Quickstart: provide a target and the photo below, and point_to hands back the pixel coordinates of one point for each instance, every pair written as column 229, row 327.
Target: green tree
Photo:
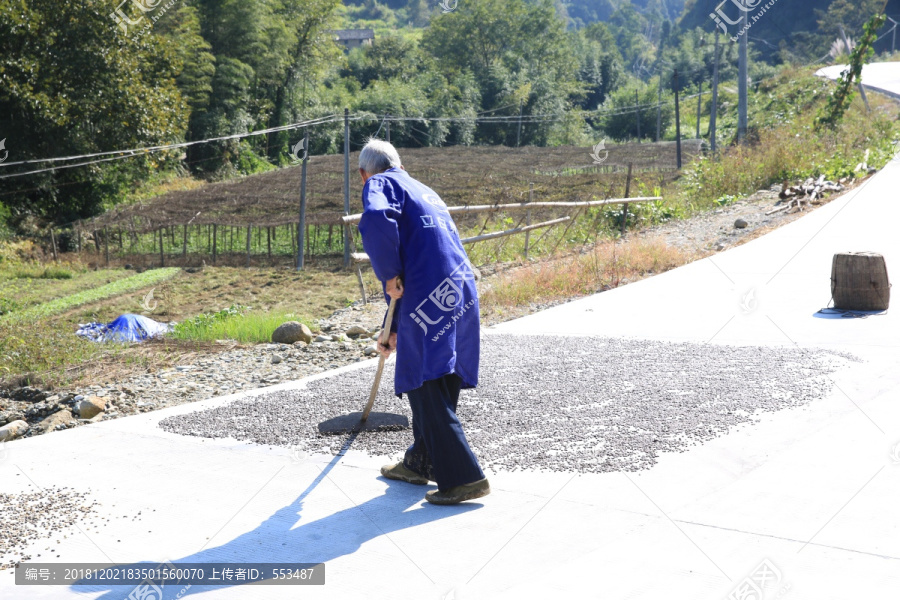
column 628, row 26
column 599, row 64
column 71, row 84
column 620, row 118
column 852, row 15
column 518, row 53
column 270, row 57
column 388, row 57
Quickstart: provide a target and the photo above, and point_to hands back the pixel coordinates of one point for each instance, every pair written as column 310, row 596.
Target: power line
column 148, row 149
column 132, row 152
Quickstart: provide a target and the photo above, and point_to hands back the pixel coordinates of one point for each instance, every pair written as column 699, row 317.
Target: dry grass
column 46, row 351
column 604, row 266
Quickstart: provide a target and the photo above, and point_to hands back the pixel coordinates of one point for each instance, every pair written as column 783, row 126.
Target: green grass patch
column 19, row 293
column 109, row 290
column 45, row 273
column 237, row 323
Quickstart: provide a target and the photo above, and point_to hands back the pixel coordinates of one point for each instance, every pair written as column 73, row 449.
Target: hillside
column 795, row 23
column 401, row 13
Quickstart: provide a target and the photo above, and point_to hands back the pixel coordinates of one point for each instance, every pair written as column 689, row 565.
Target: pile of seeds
column 556, row 403
column 27, row 517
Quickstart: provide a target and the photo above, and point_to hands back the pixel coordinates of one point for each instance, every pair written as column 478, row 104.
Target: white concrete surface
column 811, row 490
column 880, row 77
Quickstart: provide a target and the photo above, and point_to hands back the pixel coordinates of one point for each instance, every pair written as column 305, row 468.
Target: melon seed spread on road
column 562, row 404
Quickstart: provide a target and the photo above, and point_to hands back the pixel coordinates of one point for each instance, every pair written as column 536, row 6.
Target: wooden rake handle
column 385, row 337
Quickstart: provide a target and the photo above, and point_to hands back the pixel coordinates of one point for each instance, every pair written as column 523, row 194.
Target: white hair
column 378, row 156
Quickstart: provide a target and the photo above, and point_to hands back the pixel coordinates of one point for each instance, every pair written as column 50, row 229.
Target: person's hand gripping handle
column 387, row 342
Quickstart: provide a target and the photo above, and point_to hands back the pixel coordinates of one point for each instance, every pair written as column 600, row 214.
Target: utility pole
column 659, row 109
column 742, row 81
column 699, row 106
column 519, row 130
column 637, row 114
column 700, row 95
column 346, row 185
column 301, row 224
column 677, row 124
column 862, row 91
column 713, row 109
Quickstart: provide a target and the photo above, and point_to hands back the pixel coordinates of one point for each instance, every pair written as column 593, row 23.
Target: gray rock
column 322, row 338
column 57, row 421
column 291, row 332
column 11, row 431
column 29, row 394
column 276, row 358
column 39, row 409
column 90, row 407
column 356, row 331
column 370, row 351
column 740, row 224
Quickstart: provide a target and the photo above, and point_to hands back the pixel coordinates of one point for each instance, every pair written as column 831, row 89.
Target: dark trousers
column 440, row 451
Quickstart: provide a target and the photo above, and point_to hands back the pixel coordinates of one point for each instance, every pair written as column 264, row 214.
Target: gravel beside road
column 211, row 375
column 584, row 405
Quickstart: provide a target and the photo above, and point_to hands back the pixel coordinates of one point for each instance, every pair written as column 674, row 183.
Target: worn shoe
column 401, row 473
column 460, row 493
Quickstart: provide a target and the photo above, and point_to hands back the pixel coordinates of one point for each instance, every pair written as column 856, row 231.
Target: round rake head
column 350, row 423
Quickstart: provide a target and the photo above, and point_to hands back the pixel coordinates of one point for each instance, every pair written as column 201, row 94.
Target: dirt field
column 461, row 175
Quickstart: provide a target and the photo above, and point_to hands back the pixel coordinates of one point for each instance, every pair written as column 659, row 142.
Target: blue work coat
column 407, row 231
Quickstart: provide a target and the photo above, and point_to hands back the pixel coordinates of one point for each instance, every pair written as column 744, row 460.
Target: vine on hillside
column 839, row 102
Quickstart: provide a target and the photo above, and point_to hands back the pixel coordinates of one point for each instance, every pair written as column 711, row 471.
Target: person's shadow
column 274, row 541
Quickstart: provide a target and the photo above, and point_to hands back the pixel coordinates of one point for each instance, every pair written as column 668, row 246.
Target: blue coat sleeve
column 379, row 230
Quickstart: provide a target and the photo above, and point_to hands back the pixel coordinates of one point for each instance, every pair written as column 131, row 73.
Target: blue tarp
column 126, row 328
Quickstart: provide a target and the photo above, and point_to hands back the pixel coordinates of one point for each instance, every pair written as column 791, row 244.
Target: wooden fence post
column 347, row 240
column 134, row 237
column 53, row 243
column 362, row 287
column 184, row 234
column 106, row 244
column 528, row 218
column 627, row 195
column 248, row 244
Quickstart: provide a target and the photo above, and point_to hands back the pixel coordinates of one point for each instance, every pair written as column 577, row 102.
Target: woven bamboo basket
column 859, row 281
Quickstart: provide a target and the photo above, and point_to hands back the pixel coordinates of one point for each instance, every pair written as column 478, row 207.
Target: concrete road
column 879, row 77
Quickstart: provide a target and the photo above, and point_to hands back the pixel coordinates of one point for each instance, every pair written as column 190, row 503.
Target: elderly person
column 416, row 252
